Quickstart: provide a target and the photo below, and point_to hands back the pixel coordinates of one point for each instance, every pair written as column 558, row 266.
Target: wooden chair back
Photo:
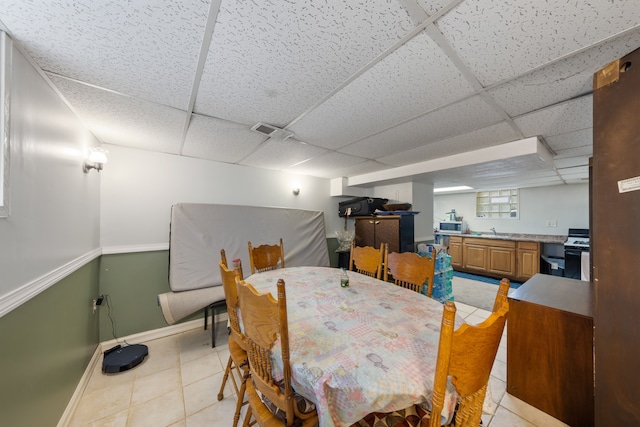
column 466, row 355
column 228, row 277
column 368, row 260
column 266, row 257
column 501, row 296
column 411, row 271
column 265, row 318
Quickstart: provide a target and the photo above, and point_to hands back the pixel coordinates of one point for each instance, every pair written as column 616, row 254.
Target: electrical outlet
column 95, row 306
column 552, row 223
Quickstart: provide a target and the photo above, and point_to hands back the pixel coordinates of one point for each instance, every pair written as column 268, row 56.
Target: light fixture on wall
column 95, row 160
column 295, row 188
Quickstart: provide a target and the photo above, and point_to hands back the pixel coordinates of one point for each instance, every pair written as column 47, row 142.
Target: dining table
column 369, row 347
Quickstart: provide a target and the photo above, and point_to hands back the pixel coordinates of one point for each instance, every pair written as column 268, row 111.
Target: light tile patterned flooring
column 177, row 385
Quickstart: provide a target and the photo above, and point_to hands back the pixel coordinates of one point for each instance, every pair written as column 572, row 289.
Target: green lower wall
column 45, row 347
column 132, row 283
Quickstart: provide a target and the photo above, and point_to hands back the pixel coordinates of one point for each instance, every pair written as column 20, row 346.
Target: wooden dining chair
column 266, row 257
column 411, row 271
column 271, row 402
column 501, row 296
column 237, row 363
column 465, row 355
column 368, row 260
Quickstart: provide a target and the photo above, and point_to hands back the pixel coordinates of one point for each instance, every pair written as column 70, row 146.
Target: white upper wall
column 54, row 205
column 568, row 205
column 139, row 188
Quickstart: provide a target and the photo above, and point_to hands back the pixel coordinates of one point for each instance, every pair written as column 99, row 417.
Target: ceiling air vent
column 271, row 131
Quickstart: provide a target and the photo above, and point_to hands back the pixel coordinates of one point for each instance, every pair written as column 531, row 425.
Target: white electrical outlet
column 552, row 223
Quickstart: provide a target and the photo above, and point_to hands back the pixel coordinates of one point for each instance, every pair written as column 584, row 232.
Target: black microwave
column 456, row 227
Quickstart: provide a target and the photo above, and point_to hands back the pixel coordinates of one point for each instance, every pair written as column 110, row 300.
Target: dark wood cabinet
column 395, row 230
column 550, row 347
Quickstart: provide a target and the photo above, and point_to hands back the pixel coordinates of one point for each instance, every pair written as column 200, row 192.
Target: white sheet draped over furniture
column 199, row 231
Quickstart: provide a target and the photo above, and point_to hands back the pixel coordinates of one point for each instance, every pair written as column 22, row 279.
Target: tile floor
column 177, row 385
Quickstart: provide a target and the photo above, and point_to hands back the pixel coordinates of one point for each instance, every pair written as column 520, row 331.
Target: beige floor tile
column 198, row 369
column 499, row 370
column 474, row 319
column 154, row 385
column 103, row 402
column 502, row 354
column 530, row 413
column 116, row 420
column 463, row 309
column 218, row 414
column 99, row 380
column 161, row 411
column 200, row 394
column 506, row 418
column 158, row 360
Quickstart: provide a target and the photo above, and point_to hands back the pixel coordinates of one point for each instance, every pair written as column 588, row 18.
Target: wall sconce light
column 96, row 159
column 295, row 188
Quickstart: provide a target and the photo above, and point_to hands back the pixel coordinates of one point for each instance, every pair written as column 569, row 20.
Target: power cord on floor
column 113, row 322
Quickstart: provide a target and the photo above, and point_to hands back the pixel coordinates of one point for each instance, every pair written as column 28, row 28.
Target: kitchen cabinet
column 395, row 230
column 528, row 259
column 455, row 250
column 550, row 347
column 498, row 257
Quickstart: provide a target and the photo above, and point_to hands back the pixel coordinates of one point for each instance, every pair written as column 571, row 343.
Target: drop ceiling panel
column 280, row 155
column 333, row 165
column 431, row 127
column 220, row 140
column 575, row 139
column 573, row 115
column 569, row 162
column 474, row 140
column 141, row 48
column 575, row 152
column 121, row 120
column 500, row 40
column 432, row 6
column 270, row 61
column 424, row 78
column 562, row 80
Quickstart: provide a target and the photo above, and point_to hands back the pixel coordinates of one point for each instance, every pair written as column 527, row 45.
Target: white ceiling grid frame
column 334, row 164
column 136, row 62
column 431, row 127
column 270, row 67
column 122, row 120
column 424, row 80
column 521, row 34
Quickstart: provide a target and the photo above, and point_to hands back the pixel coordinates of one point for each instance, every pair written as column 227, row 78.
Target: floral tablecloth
column 369, row 347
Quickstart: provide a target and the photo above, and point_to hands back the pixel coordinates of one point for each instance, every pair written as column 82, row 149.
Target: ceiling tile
column 500, row 40
column 121, row 120
column 575, row 139
column 270, row 61
column 141, row 48
column 491, row 135
column 424, row 79
column 569, row 162
column 279, row 155
column 562, row 80
column 335, row 164
column 576, row 114
column 220, row 140
column 586, row 150
column 432, row 6
column 431, row 127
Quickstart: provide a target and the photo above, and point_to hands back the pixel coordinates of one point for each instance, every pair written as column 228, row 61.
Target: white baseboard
column 131, row 339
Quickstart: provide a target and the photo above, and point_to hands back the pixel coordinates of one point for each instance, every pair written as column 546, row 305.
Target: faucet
column 494, row 231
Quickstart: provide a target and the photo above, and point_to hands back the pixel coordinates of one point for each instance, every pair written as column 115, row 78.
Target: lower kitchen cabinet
column 395, row 230
column 455, row 251
column 515, row 260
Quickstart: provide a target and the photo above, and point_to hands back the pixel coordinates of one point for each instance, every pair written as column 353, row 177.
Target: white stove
column 577, row 242
column 576, row 254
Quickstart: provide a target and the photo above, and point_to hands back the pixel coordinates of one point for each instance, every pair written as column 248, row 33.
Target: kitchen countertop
column 542, row 238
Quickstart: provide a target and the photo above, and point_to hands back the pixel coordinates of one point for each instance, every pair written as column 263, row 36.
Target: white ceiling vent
column 271, row 131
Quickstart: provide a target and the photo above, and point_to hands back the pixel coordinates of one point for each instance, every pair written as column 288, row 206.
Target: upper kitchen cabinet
column 395, row 230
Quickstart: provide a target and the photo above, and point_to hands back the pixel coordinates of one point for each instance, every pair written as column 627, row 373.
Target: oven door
column 573, row 262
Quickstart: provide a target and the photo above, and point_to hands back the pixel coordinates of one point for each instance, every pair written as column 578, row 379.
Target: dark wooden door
column 615, row 241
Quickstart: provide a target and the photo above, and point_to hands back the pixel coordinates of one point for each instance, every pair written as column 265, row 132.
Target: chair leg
column 247, row 417
column 227, row 371
column 240, row 395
